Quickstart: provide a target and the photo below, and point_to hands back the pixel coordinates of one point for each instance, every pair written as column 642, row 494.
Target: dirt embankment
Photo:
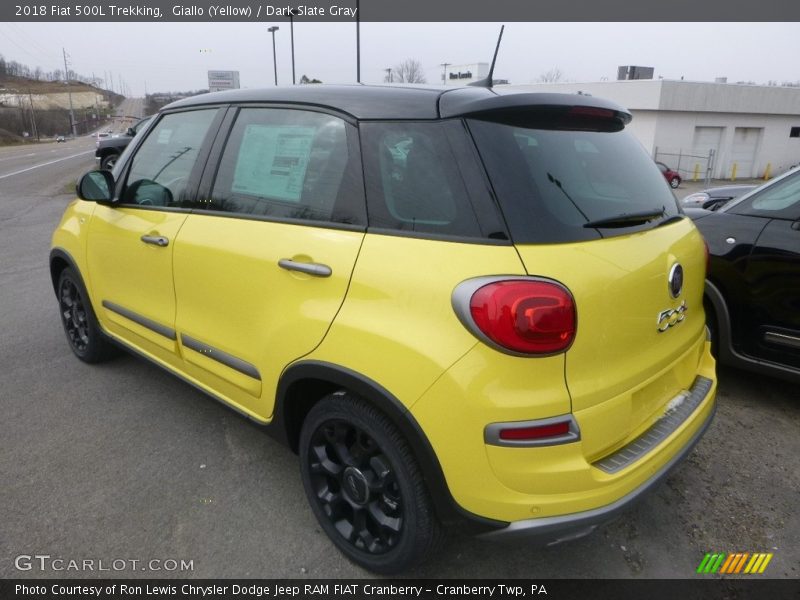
column 18, row 92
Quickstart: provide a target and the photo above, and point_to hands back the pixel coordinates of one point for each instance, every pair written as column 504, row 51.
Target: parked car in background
column 672, row 177
column 109, row 149
column 535, row 363
column 752, row 295
column 60, row 138
column 716, row 197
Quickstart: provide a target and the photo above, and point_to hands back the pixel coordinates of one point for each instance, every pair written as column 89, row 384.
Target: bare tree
column 408, row 71
column 554, row 75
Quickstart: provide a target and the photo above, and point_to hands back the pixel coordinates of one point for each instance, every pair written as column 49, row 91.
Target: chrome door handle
column 315, row 269
column 156, row 240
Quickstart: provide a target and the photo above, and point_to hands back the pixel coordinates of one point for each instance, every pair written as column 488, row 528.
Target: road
column 125, row 462
column 127, row 113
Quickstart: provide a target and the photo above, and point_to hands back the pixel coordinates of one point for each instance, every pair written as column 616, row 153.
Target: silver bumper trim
column 552, row 530
column 684, row 403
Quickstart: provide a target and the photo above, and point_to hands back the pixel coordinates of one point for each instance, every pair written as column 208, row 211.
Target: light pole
column 272, row 30
column 291, row 31
column 388, row 75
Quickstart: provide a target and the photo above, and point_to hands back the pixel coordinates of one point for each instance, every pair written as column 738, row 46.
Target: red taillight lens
column 530, row 317
column 535, row 433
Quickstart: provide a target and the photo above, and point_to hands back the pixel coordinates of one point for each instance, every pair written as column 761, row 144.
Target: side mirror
column 131, row 132
column 715, row 203
column 97, row 186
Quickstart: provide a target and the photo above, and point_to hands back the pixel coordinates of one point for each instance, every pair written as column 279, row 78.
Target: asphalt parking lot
column 123, row 462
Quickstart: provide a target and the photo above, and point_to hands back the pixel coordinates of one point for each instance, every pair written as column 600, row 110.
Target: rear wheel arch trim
column 286, row 428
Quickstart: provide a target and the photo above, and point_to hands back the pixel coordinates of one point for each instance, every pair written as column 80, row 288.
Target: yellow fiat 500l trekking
column 460, row 307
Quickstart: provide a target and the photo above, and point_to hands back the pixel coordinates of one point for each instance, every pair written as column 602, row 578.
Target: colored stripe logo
column 735, row 563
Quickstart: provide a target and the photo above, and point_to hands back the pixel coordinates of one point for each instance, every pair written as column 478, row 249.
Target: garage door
column 707, row 139
column 743, row 151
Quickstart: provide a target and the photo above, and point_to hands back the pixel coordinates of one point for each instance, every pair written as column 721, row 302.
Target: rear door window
column 424, row 179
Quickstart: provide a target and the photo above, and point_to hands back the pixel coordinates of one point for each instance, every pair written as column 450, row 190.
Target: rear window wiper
column 627, row 219
column 670, row 220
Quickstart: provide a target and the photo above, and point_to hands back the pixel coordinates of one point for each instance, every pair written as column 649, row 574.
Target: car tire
column 85, row 338
column 109, row 161
column 365, row 486
column 674, row 182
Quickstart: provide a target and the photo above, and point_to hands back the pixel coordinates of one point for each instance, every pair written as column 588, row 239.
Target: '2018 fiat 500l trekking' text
column 459, row 306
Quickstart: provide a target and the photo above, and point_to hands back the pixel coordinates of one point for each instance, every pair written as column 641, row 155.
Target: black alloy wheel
column 83, row 332
column 365, row 487
column 73, row 315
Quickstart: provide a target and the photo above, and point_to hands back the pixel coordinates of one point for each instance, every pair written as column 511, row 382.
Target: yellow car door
column 131, row 241
column 262, row 266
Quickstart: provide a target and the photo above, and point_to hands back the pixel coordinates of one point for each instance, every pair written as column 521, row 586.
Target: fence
column 690, row 166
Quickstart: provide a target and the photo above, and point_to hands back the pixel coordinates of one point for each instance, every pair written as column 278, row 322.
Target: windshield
column 557, row 185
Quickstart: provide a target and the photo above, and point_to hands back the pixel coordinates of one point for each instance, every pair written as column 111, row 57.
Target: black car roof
column 401, row 102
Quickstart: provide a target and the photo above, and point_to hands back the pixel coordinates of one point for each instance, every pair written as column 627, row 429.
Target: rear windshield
column 551, row 183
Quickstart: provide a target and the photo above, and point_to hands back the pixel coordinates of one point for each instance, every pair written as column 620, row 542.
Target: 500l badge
column 671, row 317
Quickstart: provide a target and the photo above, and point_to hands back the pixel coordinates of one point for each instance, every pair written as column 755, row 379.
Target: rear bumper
column 553, row 530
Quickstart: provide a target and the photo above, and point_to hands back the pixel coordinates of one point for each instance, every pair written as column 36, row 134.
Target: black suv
column 109, row 149
column 752, row 292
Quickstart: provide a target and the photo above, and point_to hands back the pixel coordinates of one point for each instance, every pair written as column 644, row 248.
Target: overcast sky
column 168, row 57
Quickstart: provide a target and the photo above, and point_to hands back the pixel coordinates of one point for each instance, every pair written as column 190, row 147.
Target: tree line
column 13, row 69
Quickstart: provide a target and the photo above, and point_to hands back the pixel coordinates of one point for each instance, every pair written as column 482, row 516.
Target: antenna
column 487, row 81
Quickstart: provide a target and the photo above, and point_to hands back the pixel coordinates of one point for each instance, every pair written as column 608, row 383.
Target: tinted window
column 780, row 200
column 161, row 168
column 423, row 178
column 550, row 182
column 291, row 164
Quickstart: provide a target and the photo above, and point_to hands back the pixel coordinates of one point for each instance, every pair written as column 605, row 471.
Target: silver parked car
column 714, row 198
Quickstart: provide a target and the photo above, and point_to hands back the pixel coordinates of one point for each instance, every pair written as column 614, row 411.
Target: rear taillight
column 524, row 316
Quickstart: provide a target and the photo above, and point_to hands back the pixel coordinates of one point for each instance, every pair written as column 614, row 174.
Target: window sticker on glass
column 164, row 136
column 272, row 161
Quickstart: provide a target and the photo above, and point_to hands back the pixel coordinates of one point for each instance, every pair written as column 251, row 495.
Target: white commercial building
column 720, row 129
column 466, row 74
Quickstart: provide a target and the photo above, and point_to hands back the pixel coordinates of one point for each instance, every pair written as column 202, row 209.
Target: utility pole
column 444, row 72
column 33, row 118
column 69, row 91
column 388, row 75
